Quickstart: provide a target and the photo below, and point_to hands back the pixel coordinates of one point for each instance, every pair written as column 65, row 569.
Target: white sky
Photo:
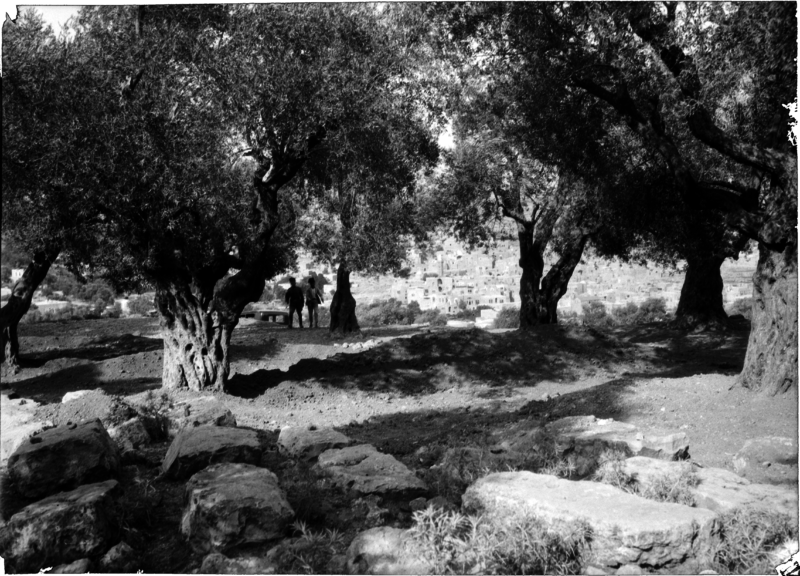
column 53, row 15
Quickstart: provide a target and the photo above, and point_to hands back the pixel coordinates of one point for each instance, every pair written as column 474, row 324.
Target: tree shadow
column 50, row 388
column 98, row 349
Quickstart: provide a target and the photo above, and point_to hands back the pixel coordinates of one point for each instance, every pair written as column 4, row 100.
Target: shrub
column 652, row 310
column 743, row 306
column 432, row 317
column 748, row 536
column 569, row 318
column 520, row 544
column 595, row 314
column 627, row 314
column 386, row 313
column 508, row 317
column 140, row 305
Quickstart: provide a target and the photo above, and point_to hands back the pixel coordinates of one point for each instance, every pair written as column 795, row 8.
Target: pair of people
column 295, row 298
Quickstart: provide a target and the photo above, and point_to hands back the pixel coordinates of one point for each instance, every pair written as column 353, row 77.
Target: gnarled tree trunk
column 556, row 282
column 343, row 305
column 771, row 361
column 701, row 294
column 20, row 302
column 196, row 341
column 531, row 260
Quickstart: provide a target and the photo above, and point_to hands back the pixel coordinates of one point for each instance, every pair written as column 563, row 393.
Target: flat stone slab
column 131, row 434
column 386, row 550
column 718, row 489
column 626, row 529
column 587, row 437
column 363, row 469
column 195, row 448
column 63, row 458
column 61, row 529
column 209, row 412
column 307, row 444
column 769, row 459
column 232, row 504
column 216, row 563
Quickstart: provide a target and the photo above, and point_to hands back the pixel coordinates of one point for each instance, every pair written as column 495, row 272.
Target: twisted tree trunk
column 20, row 302
column 343, row 305
column 771, row 361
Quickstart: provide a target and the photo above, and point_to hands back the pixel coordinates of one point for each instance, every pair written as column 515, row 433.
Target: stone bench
column 274, row 316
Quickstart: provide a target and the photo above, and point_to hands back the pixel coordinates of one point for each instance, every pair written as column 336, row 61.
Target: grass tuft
column 524, row 544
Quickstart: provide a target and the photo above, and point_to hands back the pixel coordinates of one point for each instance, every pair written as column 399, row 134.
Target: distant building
column 16, row 273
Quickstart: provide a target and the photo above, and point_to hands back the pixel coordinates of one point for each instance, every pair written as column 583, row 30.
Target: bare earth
column 417, row 387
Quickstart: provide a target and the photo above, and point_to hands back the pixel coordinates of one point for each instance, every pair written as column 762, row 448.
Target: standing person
column 294, row 298
column 313, row 298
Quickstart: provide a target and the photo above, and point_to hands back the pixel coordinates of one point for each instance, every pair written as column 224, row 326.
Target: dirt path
column 417, row 386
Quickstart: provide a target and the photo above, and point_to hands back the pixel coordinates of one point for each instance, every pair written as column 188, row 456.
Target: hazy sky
column 54, row 15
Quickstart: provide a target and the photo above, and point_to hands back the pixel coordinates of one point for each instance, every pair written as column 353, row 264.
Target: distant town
column 455, row 277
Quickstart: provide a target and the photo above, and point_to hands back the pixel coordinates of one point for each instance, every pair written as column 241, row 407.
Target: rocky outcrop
column 770, row 459
column 366, row 471
column 17, row 423
column 195, row 448
column 717, row 489
column 61, row 529
column 626, row 529
column 386, row 550
column 120, row 559
column 81, row 566
column 216, row 563
column 308, row 443
column 131, row 434
column 63, row 458
column 209, row 412
column 232, row 504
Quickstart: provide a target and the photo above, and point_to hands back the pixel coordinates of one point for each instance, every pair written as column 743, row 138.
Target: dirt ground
column 418, row 387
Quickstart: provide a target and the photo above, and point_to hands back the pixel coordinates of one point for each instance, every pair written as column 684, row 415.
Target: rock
column 306, row 444
column 363, row 469
column 78, row 567
column 37, row 536
column 770, row 459
column 626, row 529
column 119, row 559
column 718, row 490
column 418, row 504
column 131, row 434
column 17, row 424
column 208, row 413
column 630, row 569
column 585, row 438
column 232, row 504
column 385, row 550
column 594, row 571
column 216, row 563
column 63, row 458
column 74, row 395
column 195, row 448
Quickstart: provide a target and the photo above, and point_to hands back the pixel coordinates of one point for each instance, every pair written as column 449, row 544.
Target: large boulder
column 626, row 529
column 216, row 563
column 63, row 458
column 195, row 448
column 17, row 423
column 61, row 529
column 770, row 459
column 386, row 550
column 366, row 471
column 131, row 434
column 308, row 443
column 203, row 412
column 717, row 489
column 120, row 559
column 232, row 504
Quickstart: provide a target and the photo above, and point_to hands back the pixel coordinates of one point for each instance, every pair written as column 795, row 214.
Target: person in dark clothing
column 294, row 298
column 313, row 300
